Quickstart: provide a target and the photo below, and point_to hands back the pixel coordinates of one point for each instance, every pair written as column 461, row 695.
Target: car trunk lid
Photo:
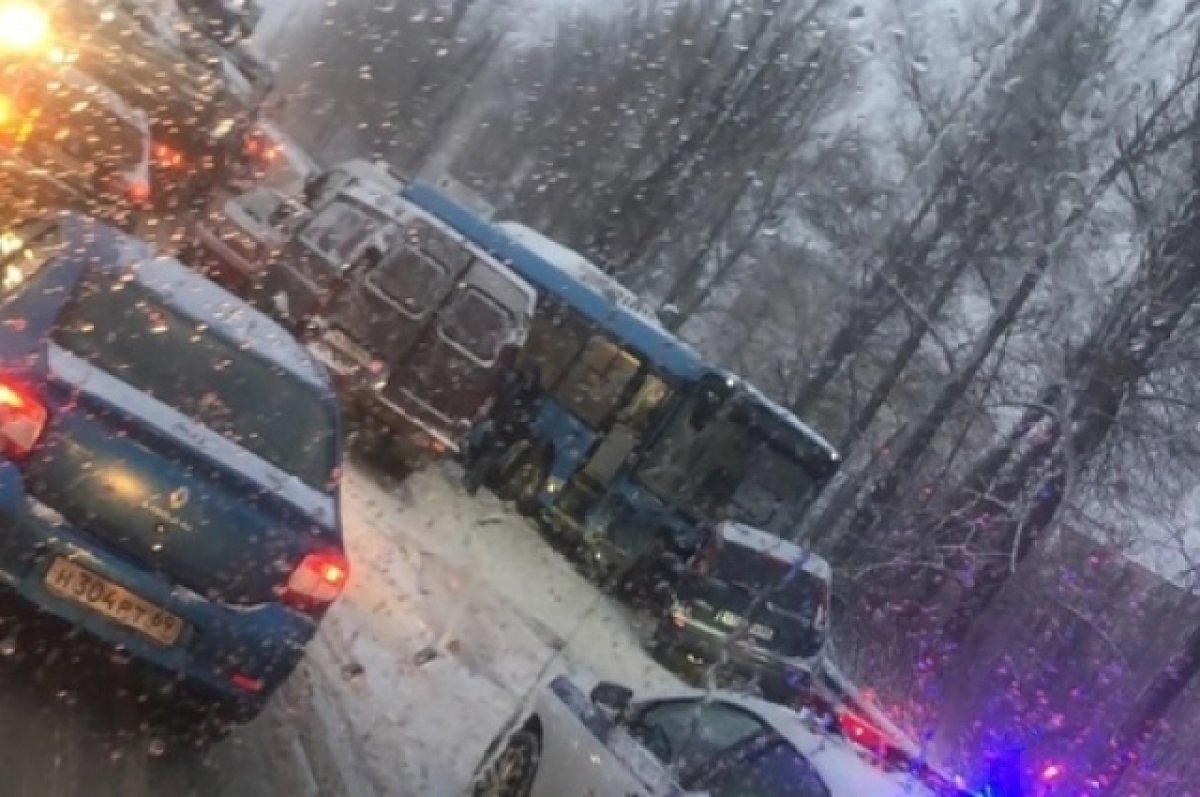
column 165, row 491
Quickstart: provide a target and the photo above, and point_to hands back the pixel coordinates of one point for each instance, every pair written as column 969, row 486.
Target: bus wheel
column 523, row 485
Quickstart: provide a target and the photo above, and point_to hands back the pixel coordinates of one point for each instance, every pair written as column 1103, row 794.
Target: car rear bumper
column 692, row 649
column 261, row 644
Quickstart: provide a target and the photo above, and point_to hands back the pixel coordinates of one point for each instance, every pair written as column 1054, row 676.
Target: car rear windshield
column 128, row 331
column 799, row 593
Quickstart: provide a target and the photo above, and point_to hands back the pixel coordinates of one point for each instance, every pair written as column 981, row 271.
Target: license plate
column 730, row 620
column 70, row 581
column 760, row 632
column 340, row 341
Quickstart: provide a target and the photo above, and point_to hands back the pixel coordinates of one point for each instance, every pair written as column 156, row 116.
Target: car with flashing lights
column 69, row 142
column 197, row 119
column 169, row 465
column 582, row 737
column 751, row 609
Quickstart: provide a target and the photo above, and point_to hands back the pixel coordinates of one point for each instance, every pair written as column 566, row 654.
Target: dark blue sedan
column 170, row 460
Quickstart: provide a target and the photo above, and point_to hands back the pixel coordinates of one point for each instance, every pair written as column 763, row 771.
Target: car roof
column 194, row 295
column 776, row 547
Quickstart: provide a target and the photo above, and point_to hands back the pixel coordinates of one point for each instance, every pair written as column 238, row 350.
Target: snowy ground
column 435, row 569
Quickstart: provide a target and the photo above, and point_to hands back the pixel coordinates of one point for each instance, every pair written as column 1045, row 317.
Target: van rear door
column 310, row 275
column 385, row 309
column 451, row 371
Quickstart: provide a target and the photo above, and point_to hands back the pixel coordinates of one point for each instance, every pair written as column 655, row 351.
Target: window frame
column 638, row 715
column 443, row 327
column 594, row 378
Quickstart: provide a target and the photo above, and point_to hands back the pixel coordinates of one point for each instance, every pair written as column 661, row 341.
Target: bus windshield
column 729, row 466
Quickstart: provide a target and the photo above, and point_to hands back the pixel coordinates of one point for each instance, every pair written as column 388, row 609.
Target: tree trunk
column 1147, row 716
column 919, row 325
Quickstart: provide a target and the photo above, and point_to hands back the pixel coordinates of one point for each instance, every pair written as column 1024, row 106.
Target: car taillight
column 22, row 418
column 861, row 733
column 318, row 580
column 139, row 191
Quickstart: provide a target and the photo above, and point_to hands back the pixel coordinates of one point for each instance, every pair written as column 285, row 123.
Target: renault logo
column 178, row 499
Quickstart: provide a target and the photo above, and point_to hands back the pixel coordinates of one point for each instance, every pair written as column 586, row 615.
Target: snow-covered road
column 438, row 572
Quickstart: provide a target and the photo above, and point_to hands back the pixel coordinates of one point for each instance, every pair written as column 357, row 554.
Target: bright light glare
column 10, row 242
column 24, row 27
column 1052, row 772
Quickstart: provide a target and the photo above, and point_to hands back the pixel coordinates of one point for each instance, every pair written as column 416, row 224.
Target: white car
column 600, row 742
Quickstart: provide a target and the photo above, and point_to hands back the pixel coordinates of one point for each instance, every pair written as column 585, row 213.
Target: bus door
column 625, row 435
column 607, row 388
column 444, row 378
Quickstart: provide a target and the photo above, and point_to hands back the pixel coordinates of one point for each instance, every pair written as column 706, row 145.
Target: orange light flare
column 168, row 157
column 24, row 28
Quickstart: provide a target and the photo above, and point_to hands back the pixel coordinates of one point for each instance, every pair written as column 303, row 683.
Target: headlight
column 222, row 129
column 10, row 243
column 24, row 27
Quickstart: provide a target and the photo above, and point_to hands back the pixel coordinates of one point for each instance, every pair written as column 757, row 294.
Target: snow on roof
column 765, row 542
column 787, row 416
column 235, row 319
column 581, row 269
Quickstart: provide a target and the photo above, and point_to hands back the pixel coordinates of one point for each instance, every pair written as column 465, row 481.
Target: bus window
column 553, row 343
column 597, row 380
column 773, row 491
column 643, row 408
column 476, row 323
column 411, row 281
column 338, row 230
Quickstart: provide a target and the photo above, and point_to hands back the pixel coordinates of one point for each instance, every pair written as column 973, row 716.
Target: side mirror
column 613, row 697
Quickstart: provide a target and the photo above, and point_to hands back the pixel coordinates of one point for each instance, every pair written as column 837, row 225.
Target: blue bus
column 637, row 439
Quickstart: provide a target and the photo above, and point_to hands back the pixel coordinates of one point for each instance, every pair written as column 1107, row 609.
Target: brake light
column 318, row 580
column 246, row 683
column 22, row 419
column 861, row 733
column 139, row 191
column 168, row 157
